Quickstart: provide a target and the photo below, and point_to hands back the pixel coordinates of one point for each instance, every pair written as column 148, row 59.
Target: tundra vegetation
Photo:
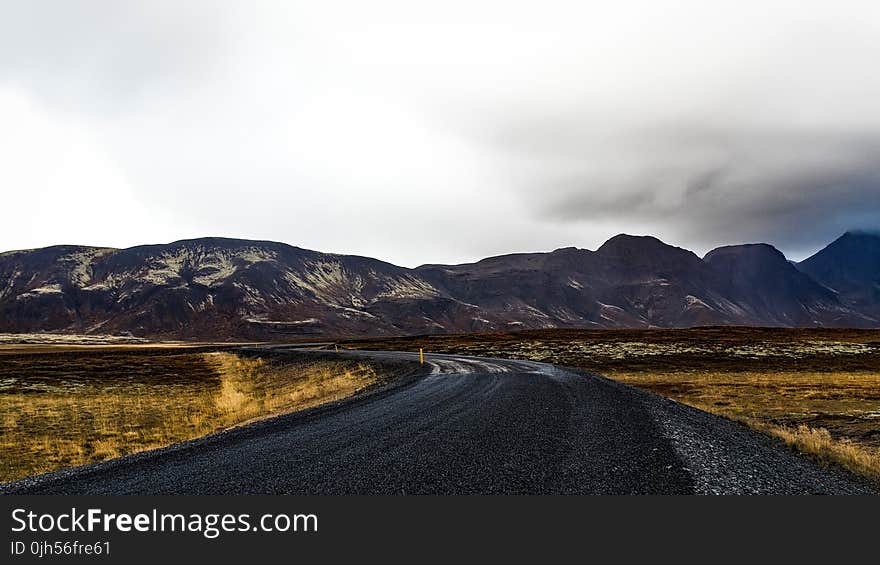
column 66, row 406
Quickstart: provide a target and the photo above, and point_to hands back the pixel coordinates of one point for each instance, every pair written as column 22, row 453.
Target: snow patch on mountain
column 80, row 264
column 206, row 266
column 53, row 288
column 407, row 286
column 692, row 301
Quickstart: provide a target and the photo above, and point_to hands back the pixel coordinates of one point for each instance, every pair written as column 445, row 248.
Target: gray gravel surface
column 471, row 426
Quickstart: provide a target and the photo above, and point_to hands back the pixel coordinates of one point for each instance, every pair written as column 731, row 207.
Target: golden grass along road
column 71, row 407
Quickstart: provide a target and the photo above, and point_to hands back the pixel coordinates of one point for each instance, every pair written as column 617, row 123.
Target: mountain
column 218, row 288
column 211, row 288
column 850, row 266
column 769, row 289
column 628, row 282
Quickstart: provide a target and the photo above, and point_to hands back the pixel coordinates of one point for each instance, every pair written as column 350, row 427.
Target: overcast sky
column 439, row 132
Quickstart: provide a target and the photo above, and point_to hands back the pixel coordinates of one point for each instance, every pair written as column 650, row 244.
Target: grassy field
column 66, row 406
column 817, row 390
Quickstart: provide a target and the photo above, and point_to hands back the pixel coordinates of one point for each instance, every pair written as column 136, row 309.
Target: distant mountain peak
column 853, row 244
column 212, row 242
column 752, row 250
column 630, row 239
column 862, row 232
column 851, row 266
column 626, row 243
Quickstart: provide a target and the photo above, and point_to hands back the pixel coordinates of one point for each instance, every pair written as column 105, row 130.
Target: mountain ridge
column 229, row 288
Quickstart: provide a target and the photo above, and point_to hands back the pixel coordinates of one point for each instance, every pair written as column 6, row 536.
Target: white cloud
column 449, row 132
column 60, row 186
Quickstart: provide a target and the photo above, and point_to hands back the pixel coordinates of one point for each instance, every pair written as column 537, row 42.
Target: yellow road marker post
column 421, row 356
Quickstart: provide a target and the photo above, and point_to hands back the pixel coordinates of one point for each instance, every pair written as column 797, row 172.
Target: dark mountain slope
column 217, row 288
column 760, row 280
column 851, row 266
column 211, row 288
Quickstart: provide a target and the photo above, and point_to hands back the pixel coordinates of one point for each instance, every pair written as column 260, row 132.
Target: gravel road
column 467, row 425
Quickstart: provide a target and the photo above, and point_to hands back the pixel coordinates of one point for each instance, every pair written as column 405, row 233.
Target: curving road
column 469, row 426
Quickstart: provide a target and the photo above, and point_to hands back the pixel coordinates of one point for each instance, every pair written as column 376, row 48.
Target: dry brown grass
column 822, row 446
column 832, row 417
column 848, row 404
column 252, row 388
column 74, row 409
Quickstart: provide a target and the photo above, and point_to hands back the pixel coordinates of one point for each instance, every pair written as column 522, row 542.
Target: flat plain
column 65, row 405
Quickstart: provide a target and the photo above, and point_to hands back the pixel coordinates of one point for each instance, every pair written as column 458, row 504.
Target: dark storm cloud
column 797, row 190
